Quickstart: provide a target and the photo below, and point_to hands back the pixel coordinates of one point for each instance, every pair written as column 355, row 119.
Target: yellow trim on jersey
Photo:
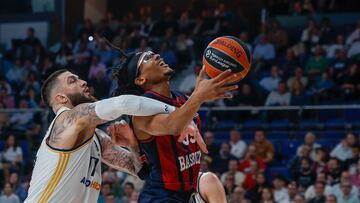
column 70, row 151
column 55, row 179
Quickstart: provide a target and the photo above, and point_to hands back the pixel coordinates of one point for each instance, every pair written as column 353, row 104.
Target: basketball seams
column 243, row 50
column 242, row 45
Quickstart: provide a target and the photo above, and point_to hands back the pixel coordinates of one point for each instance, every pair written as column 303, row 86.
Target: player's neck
column 162, row 88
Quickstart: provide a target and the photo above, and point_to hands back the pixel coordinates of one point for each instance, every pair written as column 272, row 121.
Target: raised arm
column 175, row 122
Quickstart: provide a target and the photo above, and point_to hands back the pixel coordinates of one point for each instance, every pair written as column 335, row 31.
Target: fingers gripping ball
column 224, row 53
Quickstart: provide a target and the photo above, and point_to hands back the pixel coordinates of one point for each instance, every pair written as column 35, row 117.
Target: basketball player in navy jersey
column 175, row 166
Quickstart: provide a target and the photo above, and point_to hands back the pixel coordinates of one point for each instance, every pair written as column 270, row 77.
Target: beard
column 78, row 98
column 170, row 73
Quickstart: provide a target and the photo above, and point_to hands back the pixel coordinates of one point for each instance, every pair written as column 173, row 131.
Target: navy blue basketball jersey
column 174, row 166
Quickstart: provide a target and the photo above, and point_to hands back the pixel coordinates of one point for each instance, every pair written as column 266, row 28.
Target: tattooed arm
column 82, row 119
column 117, row 157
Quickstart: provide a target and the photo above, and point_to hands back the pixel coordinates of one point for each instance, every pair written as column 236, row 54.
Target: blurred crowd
column 316, row 64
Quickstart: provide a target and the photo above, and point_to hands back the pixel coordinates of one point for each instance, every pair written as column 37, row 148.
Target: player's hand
column 192, row 131
column 215, row 88
column 122, row 134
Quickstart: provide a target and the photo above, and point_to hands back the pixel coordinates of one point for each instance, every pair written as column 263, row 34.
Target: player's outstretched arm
column 75, row 122
column 175, row 122
column 116, row 156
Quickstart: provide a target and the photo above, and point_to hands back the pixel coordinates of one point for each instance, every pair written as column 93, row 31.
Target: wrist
column 197, row 97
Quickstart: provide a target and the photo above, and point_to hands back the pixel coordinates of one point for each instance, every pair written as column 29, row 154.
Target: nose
column 83, row 83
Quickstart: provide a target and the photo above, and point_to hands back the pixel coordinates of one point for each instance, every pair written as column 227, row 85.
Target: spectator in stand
column 247, row 96
column 128, row 192
column 39, row 54
column 12, row 157
column 345, row 178
column 299, row 75
column 332, row 49
column 327, row 33
column 289, row 62
column 7, row 100
column 322, row 157
column 238, row 146
column 346, row 194
column 317, row 63
column 351, row 164
column 250, row 177
column 222, row 160
column 8, row 196
column 17, row 74
column 22, row 120
column 21, row 190
column 278, row 36
column 64, row 57
column 272, row 82
column 299, row 199
column 267, row 196
column 264, row 148
column 340, row 63
column 46, row 68
column 331, row 199
column 292, row 191
column 4, row 117
column 29, row 43
column 310, row 35
column 305, row 175
column 185, row 52
column 323, row 89
column 350, row 83
column 343, row 150
column 281, row 97
column 280, row 191
column 254, row 194
column 30, row 67
column 309, row 140
column 32, row 82
column 105, row 191
column 238, row 195
column 319, row 193
column 355, row 178
column 310, row 191
column 251, row 156
column 244, row 36
column 104, row 53
column 333, row 171
column 264, row 51
column 298, row 95
column 233, row 171
column 211, row 146
column 96, row 67
column 229, row 185
column 355, row 35
column 295, row 163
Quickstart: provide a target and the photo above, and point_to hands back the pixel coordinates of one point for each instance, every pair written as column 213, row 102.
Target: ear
column 140, row 81
column 61, row 99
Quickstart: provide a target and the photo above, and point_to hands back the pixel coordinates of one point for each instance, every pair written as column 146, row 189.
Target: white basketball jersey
column 71, row 176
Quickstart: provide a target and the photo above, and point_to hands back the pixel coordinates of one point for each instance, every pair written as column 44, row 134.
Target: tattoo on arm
column 118, row 157
column 85, row 112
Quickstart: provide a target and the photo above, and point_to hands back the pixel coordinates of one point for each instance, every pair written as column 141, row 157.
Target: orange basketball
column 224, row 53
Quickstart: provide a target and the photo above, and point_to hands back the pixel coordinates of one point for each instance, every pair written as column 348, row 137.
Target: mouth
column 87, row 90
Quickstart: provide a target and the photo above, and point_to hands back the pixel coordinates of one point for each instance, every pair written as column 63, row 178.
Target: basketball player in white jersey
column 68, row 163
